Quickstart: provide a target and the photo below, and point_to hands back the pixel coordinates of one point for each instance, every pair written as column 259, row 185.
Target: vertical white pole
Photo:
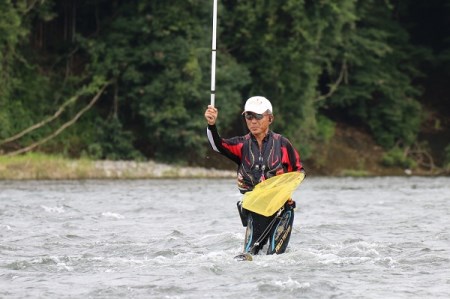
column 213, row 55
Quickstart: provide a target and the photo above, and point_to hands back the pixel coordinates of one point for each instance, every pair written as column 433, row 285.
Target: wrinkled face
column 257, row 123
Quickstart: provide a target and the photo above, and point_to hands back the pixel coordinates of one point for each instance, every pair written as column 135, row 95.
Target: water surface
column 353, row 238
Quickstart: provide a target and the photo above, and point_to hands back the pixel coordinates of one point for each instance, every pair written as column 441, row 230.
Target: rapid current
column 379, row 237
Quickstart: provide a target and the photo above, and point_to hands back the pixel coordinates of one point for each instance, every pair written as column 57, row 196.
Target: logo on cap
column 258, row 105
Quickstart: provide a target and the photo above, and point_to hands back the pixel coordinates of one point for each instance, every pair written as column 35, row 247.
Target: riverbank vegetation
column 120, row 80
column 33, row 166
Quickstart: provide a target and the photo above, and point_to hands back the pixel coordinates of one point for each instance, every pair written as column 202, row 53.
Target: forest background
column 356, row 85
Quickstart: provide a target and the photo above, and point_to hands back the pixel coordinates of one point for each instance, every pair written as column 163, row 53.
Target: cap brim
column 253, row 111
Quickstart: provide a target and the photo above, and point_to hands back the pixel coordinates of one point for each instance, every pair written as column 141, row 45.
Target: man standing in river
column 260, row 154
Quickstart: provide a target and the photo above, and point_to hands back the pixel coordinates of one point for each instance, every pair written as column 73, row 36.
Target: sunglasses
column 251, row 116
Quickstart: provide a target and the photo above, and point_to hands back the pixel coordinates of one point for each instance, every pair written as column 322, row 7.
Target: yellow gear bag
column 270, row 195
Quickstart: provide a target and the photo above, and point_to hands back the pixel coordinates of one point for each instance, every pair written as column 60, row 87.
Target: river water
column 353, row 238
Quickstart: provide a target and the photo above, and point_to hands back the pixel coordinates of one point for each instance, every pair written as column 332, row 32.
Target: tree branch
column 422, row 157
column 334, row 87
column 30, row 7
column 42, row 123
column 63, row 127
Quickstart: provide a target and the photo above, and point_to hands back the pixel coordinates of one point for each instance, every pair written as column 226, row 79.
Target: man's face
column 257, row 123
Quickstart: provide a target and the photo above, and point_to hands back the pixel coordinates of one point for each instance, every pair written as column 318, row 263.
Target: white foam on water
column 62, row 267
column 352, row 238
column 113, row 215
column 291, row 284
column 282, row 288
column 57, row 210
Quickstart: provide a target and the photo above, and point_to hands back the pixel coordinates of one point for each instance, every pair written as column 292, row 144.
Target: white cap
column 258, row 105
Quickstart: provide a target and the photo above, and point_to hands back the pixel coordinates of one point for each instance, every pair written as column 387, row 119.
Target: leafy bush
column 113, row 142
column 447, row 158
column 307, row 57
column 397, row 158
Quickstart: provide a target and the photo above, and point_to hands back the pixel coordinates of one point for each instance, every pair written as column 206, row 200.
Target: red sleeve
column 291, row 157
column 230, row 148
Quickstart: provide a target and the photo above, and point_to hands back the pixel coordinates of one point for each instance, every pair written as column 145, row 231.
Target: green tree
column 159, row 53
column 380, row 67
column 312, row 56
column 315, row 60
column 25, row 93
column 11, row 32
column 288, row 46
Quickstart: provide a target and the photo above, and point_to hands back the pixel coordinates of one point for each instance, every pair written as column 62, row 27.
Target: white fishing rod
column 213, row 55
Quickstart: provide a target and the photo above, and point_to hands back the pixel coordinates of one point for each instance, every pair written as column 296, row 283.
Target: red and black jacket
column 254, row 165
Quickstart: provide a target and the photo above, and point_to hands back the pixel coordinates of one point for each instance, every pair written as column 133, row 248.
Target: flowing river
column 381, row 237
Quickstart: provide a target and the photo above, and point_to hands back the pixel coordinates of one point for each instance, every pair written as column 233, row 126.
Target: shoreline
column 155, row 170
column 41, row 167
column 63, row 169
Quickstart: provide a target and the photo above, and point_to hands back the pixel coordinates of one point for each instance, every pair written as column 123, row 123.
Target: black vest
column 257, row 165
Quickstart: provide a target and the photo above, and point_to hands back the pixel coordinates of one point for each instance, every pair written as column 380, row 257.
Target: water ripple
column 352, row 238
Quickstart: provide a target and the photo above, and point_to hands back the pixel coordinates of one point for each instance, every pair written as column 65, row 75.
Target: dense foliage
column 362, row 62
